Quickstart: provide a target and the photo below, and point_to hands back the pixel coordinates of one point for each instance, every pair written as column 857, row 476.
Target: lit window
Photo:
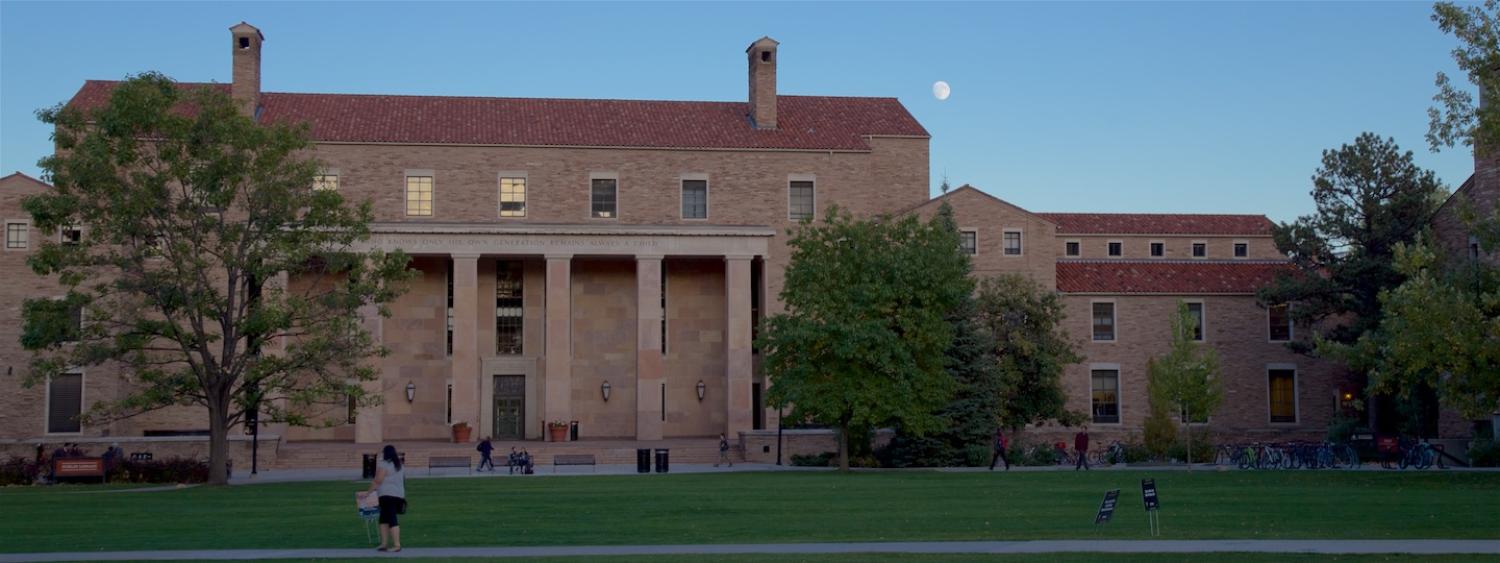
column 1106, row 395
column 1116, row 248
column 968, row 241
column 695, row 199
column 1279, row 321
column 509, row 307
column 512, row 197
column 1104, row 322
column 802, row 200
column 419, row 196
column 65, row 403
column 17, row 236
column 1158, row 249
column 1012, row 243
column 1195, row 312
column 1283, row 395
column 603, row 194
column 1071, row 248
column 328, row 182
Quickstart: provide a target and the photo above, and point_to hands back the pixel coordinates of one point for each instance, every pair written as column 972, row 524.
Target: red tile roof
column 804, row 122
column 1175, row 277
column 1159, row 224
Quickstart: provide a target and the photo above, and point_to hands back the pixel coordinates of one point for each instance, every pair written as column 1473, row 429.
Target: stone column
column 465, row 359
column 559, row 361
column 649, row 363
column 368, row 421
column 737, row 345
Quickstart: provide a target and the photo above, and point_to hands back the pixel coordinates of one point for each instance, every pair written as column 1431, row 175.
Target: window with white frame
column 17, row 235
column 694, row 198
column 604, row 198
column 65, row 403
column 968, row 241
column 1241, row 249
column 801, row 196
column 1279, row 323
column 419, row 196
column 1104, row 321
column 512, row 196
column 70, row 235
column 329, row 182
column 1195, row 313
column 1012, row 242
column 1158, row 249
column 1072, row 248
column 1105, row 395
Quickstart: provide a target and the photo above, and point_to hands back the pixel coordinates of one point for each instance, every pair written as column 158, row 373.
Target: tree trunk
column 1189, row 413
column 218, row 442
column 844, row 448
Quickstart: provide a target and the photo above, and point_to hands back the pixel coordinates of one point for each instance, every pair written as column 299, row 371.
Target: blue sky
column 1170, row 107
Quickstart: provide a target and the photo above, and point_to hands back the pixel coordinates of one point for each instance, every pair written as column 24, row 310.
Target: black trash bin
column 573, row 431
column 367, row 469
column 643, row 460
column 662, row 465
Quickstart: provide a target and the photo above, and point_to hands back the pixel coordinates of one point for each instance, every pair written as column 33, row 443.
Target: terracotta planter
column 461, row 433
column 559, row 433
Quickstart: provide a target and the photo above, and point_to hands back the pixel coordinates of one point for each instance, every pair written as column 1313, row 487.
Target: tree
column 1031, row 349
column 189, row 208
column 1370, row 197
column 1185, row 382
column 1457, row 119
column 866, row 325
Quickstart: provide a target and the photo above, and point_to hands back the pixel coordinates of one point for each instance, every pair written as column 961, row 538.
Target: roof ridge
column 1153, row 213
column 1174, row 261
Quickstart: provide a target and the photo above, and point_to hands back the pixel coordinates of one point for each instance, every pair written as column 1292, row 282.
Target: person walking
column 485, row 448
column 1081, row 446
column 389, row 486
column 724, row 452
column 1000, row 444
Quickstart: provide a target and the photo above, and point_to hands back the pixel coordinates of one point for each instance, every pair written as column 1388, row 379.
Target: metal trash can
column 367, row 468
column 661, row 460
column 573, row 431
column 643, row 460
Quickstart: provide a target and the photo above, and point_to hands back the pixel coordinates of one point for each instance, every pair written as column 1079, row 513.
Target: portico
column 651, row 313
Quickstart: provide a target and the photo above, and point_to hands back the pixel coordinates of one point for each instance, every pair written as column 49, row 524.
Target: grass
column 765, row 507
column 981, row 558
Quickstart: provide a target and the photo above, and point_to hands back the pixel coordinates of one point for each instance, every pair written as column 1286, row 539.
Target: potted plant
column 461, row 432
column 559, row 430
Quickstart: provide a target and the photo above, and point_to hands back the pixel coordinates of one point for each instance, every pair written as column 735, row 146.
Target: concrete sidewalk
column 1425, row 547
column 295, row 475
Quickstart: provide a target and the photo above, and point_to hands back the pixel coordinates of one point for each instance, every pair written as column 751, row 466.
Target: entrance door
column 510, row 407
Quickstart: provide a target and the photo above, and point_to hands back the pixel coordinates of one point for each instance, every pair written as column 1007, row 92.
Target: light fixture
column 605, row 390
column 411, row 391
column 701, row 388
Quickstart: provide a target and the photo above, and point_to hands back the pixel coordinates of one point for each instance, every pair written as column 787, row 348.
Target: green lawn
column 765, row 507
column 977, row 558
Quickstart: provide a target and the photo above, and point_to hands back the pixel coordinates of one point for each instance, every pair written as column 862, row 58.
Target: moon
column 940, row 90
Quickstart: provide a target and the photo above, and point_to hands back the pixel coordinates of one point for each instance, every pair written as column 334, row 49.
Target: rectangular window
column 663, row 277
column 449, row 404
column 450, row 309
column 1241, row 249
column 75, row 324
column 968, row 241
column 17, row 236
column 801, row 199
column 1116, row 248
column 695, row 199
column 1158, row 249
column 352, row 407
column 65, row 403
column 70, row 235
column 603, row 198
column 512, row 197
column 419, row 196
column 1071, row 248
column 328, row 182
column 1283, row 395
column 1195, row 310
column 1106, row 396
column 1200, row 249
column 1104, row 322
column 1473, row 247
column 1012, row 243
column 1279, row 323
column 509, row 307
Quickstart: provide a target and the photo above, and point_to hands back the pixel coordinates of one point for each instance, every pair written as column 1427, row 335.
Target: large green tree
column 862, row 341
column 1185, row 381
column 1458, row 119
column 1370, row 196
column 1031, row 349
column 188, row 208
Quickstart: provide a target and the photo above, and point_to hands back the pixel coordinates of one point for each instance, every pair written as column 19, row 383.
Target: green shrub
column 1484, row 453
column 1341, row 429
column 1161, row 433
column 174, row 470
column 1136, row 452
column 19, row 471
column 1203, row 450
column 976, row 455
column 824, row 459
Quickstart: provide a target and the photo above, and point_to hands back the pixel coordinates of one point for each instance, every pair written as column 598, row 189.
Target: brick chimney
column 246, row 51
column 762, row 55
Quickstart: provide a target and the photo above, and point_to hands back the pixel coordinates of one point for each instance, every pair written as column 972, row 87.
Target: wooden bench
column 442, row 462
column 578, row 459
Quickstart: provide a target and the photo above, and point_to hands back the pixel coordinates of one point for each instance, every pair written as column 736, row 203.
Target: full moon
column 940, row 90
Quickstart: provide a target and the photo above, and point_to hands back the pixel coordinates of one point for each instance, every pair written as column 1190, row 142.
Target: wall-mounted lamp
column 411, row 391
column 604, row 389
column 701, row 389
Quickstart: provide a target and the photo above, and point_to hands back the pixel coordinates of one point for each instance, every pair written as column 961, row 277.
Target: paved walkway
column 1459, row 547
column 291, row 475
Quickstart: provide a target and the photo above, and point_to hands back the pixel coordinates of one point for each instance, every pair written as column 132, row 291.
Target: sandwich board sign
column 1153, row 504
column 1107, row 508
